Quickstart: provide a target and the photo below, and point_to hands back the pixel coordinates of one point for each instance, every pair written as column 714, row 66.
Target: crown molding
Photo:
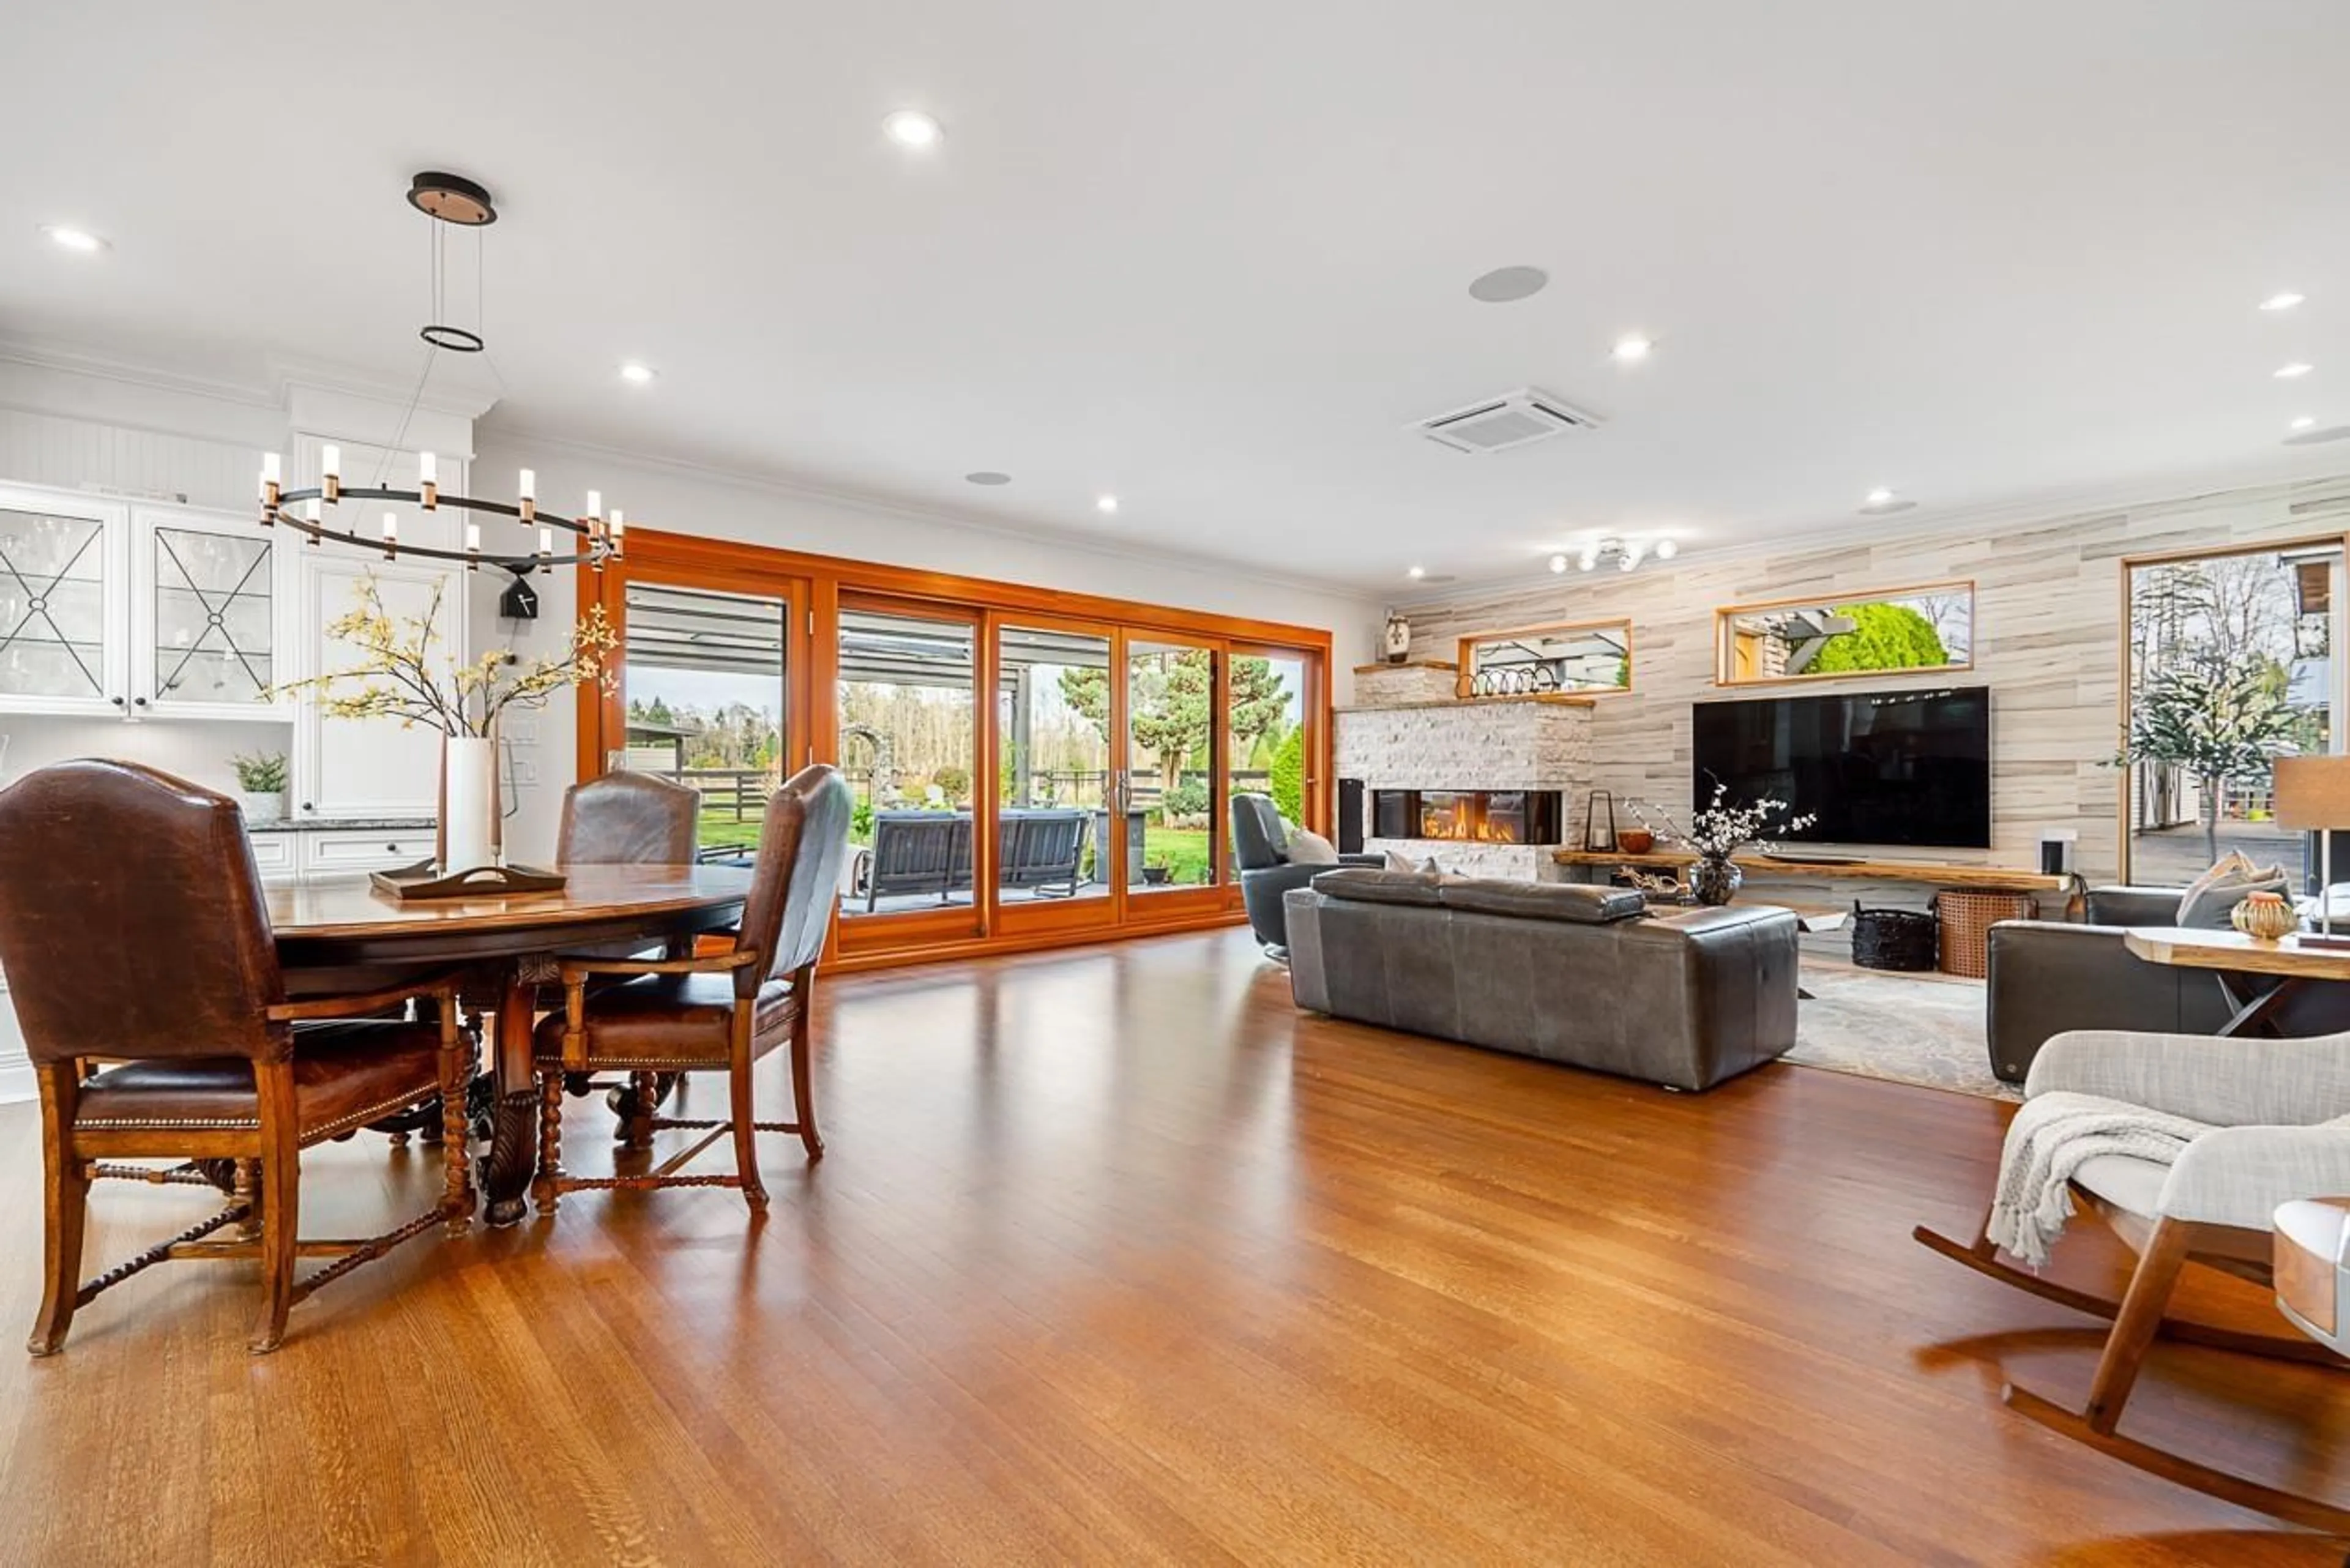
column 2301, row 480
column 912, row 511
column 77, row 359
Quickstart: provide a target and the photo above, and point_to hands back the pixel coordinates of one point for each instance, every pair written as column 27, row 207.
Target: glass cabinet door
column 211, row 614
column 55, row 647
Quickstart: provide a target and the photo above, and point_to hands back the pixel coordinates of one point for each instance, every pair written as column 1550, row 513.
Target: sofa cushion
column 1369, row 885
column 1574, row 903
column 1307, row 847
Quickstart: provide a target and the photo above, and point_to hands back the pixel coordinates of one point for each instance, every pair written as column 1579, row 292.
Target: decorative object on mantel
column 447, row 200
column 400, row 677
column 2264, row 916
column 1719, row 832
column 1593, row 839
column 1635, row 841
column 1396, row 641
column 261, row 786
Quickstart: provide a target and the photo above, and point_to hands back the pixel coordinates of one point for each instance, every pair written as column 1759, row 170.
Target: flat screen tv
column 1876, row 767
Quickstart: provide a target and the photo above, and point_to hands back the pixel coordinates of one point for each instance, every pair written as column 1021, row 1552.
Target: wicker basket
column 1892, row 939
column 1967, row 920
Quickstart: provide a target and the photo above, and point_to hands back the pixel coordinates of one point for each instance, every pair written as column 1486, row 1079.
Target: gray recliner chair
column 1261, row 853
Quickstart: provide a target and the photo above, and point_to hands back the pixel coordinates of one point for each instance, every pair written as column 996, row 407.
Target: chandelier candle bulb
column 390, row 536
column 331, row 471
column 272, row 472
column 545, row 542
column 428, row 481
column 472, row 546
column 595, row 505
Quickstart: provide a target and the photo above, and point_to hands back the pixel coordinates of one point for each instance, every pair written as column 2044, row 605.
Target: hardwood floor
column 1115, row 1258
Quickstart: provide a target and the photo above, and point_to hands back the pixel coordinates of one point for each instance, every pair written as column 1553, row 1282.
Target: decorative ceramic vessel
column 2265, row 916
column 261, row 808
column 1635, row 841
column 468, row 801
column 1714, row 879
column 1396, row 639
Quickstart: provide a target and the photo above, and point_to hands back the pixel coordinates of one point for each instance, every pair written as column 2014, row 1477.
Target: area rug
column 1902, row 1027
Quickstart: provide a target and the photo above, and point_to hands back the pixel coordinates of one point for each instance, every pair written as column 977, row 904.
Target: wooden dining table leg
column 513, row 1159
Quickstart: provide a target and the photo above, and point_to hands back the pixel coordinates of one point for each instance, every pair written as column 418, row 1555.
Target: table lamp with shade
column 2312, row 796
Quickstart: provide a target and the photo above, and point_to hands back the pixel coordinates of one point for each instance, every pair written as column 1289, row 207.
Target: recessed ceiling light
column 2284, row 301
column 636, row 374
column 1667, row 549
column 2303, row 423
column 1505, row 285
column 2293, row 371
column 1631, row 350
column 1878, row 496
column 82, row 242
column 1416, row 573
column 987, row 476
column 912, row 128
column 1105, row 503
column 1558, row 562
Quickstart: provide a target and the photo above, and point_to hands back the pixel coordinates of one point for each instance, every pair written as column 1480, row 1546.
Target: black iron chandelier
column 591, row 538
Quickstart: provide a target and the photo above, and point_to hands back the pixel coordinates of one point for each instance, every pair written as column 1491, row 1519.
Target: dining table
column 347, row 936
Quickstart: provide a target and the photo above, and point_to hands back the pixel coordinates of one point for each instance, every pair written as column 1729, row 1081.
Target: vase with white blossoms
column 1717, row 834
column 403, row 673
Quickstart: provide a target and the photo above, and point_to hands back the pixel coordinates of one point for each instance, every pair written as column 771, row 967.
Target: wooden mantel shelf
column 1539, row 698
column 1408, row 664
column 2001, row 879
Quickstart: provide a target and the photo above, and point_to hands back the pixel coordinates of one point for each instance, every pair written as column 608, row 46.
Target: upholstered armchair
column 2275, row 1120
column 1261, row 853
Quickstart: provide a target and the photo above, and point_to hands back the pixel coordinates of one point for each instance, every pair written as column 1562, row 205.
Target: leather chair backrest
column 629, row 819
column 1258, row 840
column 797, row 880
column 132, row 922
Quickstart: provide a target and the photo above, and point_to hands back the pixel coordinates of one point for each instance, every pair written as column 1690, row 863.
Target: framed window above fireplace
column 1576, row 659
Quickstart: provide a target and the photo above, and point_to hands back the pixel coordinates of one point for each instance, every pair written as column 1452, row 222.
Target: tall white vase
column 469, row 802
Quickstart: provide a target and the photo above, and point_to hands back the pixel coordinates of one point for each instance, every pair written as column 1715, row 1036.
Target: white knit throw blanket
column 2052, row 1136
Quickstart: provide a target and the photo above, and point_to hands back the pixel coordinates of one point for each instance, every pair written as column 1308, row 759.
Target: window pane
column 1264, row 731
column 703, row 675
column 1053, row 838
column 2231, row 663
column 907, row 743
column 1169, row 702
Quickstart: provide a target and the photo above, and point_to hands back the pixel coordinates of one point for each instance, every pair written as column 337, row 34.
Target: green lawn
column 1185, row 849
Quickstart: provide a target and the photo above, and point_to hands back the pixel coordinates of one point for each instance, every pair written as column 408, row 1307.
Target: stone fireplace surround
column 1405, row 730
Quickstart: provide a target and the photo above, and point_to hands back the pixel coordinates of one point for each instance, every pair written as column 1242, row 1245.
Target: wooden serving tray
column 425, row 880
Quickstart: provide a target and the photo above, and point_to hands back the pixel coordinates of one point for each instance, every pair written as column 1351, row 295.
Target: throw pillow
column 1398, row 861
column 1307, row 847
column 2211, row 898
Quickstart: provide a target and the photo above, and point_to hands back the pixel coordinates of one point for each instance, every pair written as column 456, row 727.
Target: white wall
column 678, row 499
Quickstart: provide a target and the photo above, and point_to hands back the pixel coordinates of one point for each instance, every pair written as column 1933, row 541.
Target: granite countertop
column 344, row 825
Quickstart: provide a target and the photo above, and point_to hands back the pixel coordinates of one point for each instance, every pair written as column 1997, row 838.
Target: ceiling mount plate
column 452, row 198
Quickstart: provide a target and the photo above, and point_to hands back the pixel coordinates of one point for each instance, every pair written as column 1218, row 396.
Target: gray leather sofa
column 1576, row 974
column 2047, row 977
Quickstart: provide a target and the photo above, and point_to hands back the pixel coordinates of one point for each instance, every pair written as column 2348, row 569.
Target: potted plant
column 1158, row 870
column 403, row 674
column 1719, row 832
column 260, row 785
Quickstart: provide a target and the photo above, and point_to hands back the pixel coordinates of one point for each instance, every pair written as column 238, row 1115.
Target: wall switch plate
column 522, row 730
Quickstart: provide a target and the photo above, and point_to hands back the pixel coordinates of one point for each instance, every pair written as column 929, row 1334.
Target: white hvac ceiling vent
column 1513, row 420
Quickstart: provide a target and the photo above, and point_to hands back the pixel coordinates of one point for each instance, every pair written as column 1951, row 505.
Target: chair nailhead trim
column 113, row 1123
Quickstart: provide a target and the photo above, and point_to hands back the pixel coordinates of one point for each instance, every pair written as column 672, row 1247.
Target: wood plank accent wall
column 2047, row 638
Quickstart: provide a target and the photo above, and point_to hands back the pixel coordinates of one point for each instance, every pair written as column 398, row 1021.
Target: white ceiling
column 1215, row 255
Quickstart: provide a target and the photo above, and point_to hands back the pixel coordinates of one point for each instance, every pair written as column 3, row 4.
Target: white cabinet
column 139, row 610
column 373, row 767
column 212, row 613
column 333, row 854
column 65, row 603
column 273, row 856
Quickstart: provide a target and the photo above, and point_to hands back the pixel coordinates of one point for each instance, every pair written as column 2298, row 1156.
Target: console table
column 1987, row 878
column 2231, row 957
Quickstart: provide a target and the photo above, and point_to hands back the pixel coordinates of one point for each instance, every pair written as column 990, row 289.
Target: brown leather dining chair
column 720, row 1012
column 133, row 928
column 629, row 819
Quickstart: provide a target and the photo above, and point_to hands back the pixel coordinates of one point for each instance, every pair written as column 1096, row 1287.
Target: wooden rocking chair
column 2264, row 1102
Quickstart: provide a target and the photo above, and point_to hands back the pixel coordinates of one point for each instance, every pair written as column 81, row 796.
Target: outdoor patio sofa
column 913, row 853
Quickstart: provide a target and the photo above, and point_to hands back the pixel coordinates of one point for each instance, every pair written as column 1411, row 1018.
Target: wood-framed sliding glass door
column 1030, row 767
